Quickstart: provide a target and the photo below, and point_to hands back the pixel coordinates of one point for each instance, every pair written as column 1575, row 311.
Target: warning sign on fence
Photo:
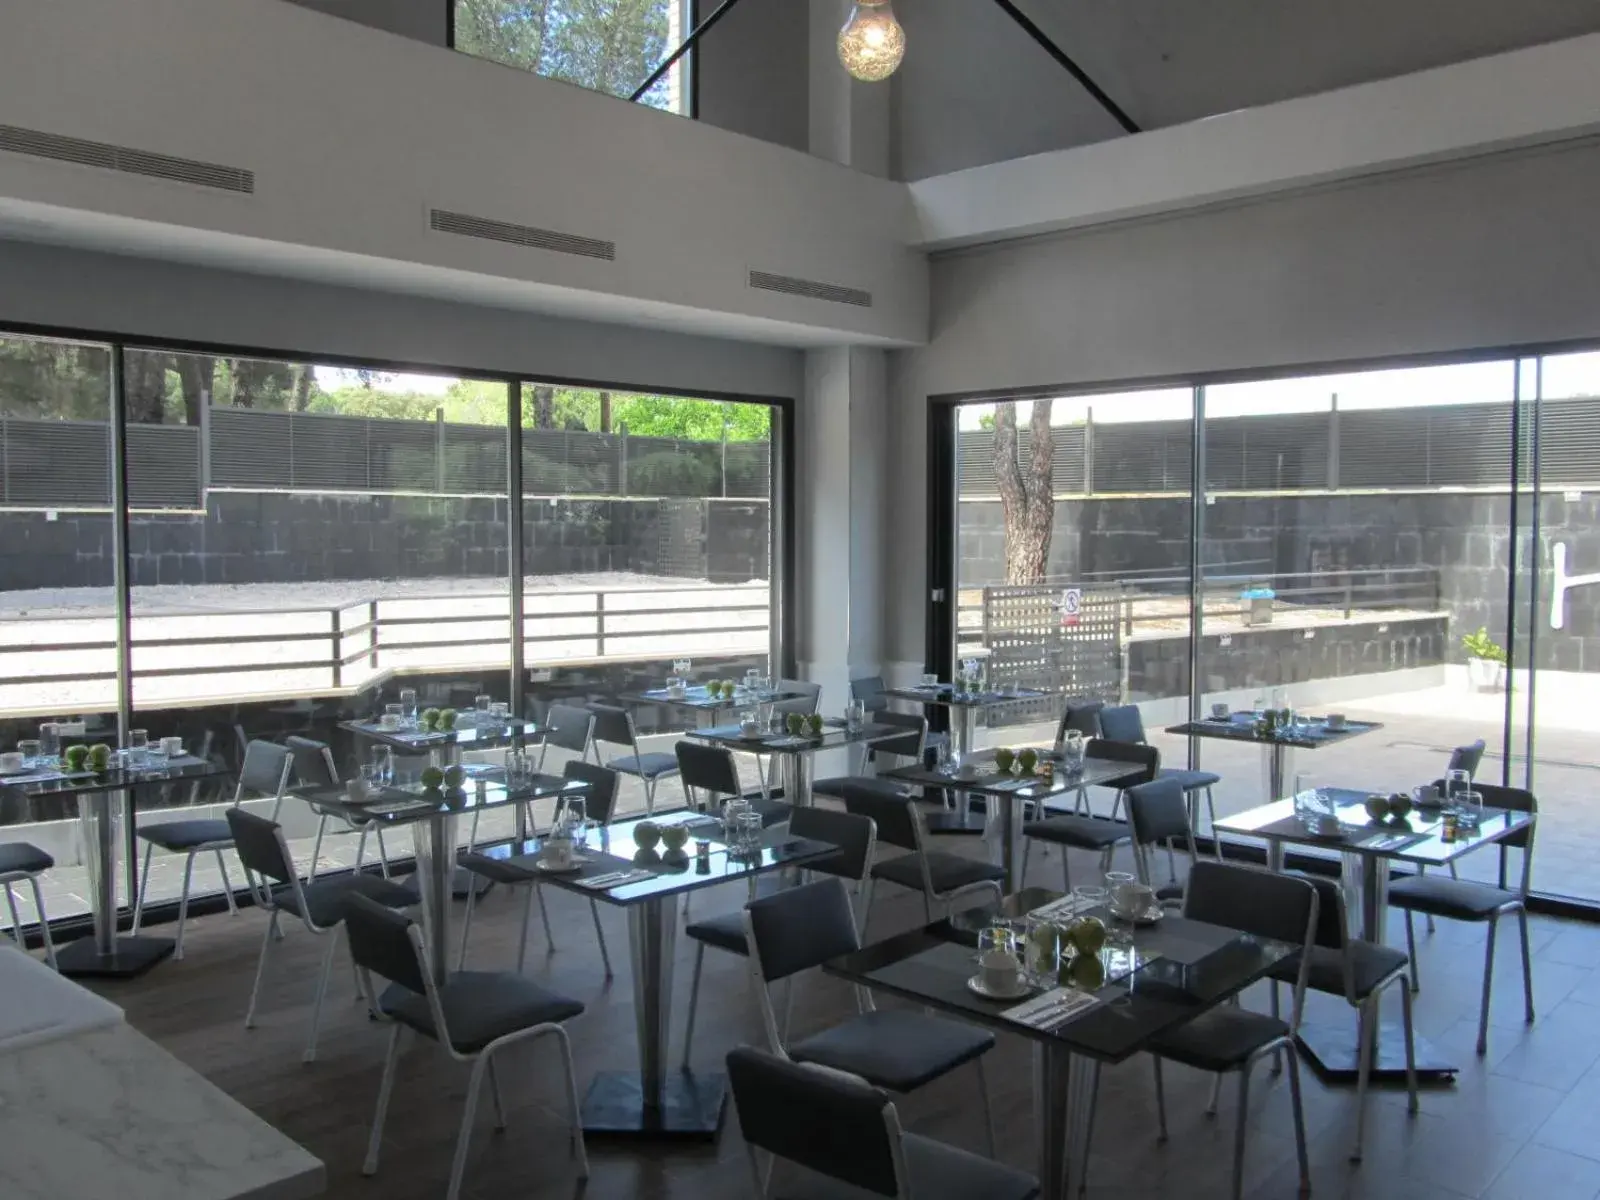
column 1071, row 606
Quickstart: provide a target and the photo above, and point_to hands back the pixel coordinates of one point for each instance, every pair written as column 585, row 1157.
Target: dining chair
column 1360, row 971
column 804, row 704
column 1159, row 817
column 314, row 767
column 709, row 775
column 941, row 877
column 801, row 928
column 1482, row 903
column 1085, row 831
column 869, row 689
column 1125, row 723
column 567, row 727
column 614, row 727
column 1466, row 758
column 907, row 745
column 853, row 835
column 837, row 1125
column 473, row 1015
column 23, row 862
column 1230, row 1039
column 500, row 864
column 320, row 905
column 264, row 775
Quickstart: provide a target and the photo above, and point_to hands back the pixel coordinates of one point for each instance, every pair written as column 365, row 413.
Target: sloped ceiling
column 975, row 89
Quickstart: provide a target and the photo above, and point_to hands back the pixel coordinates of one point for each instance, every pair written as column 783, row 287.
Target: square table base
column 130, row 957
column 691, row 1107
column 463, row 883
column 1331, row 1049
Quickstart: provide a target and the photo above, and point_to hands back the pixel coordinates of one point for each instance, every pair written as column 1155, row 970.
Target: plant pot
column 1486, row 675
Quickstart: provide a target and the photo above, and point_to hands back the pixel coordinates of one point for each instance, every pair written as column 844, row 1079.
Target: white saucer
column 1149, row 917
column 976, row 986
column 550, row 869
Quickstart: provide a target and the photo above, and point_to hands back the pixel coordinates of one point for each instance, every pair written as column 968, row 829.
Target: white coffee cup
column 930, row 680
column 1219, row 711
column 557, row 853
column 389, row 721
column 999, row 971
column 1133, row 899
column 1335, row 720
column 356, row 790
column 11, row 762
column 172, row 747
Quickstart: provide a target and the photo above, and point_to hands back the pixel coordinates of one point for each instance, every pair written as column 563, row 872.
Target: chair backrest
column 265, row 770
column 614, row 726
column 1082, row 715
column 1516, row 800
column 909, row 745
column 385, row 943
column 600, row 801
column 1147, row 759
column 313, row 762
column 260, row 846
column 567, row 727
column 870, row 692
column 895, row 818
column 800, row 928
column 829, row 1122
column 1159, row 812
column 805, row 703
column 708, row 768
column 1122, row 723
column 852, row 833
column 1467, row 758
column 1261, row 903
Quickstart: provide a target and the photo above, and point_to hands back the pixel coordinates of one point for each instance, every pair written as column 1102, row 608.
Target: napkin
column 1054, row 1008
column 1067, row 906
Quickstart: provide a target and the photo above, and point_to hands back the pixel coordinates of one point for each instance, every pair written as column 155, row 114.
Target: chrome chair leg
column 469, row 1111
column 983, row 1092
column 1488, row 985
column 1366, row 1048
column 227, row 885
column 261, row 969
column 1216, row 1096
column 1411, row 951
column 50, row 945
column 494, row 1095
column 310, row 1054
column 183, row 905
column 1239, row 1131
column 573, row 1109
column 1298, row 1105
column 466, row 924
column 1522, row 920
column 369, row 1165
column 1161, row 1100
column 144, row 887
column 1412, row 1103
column 600, row 934
column 316, row 848
column 694, row 1001
column 16, row 917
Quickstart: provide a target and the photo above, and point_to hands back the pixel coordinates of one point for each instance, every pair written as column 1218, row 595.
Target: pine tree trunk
column 1027, row 490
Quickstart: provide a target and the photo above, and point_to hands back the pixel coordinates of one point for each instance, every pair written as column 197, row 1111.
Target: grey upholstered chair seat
column 937, row 1172
column 1220, row 1040
column 1370, row 965
column 23, row 856
column 843, row 786
column 186, row 835
column 500, row 870
column 647, row 766
column 725, row 932
column 479, row 1006
column 1084, row 833
column 1190, row 780
column 324, row 900
column 1441, row 896
column 947, row 872
column 896, row 1050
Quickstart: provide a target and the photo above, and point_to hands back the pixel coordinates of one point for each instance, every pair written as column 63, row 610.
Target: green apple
column 815, row 721
column 794, row 722
column 99, row 756
column 1027, row 760
column 1087, row 935
column 454, row 776
column 1004, row 758
column 74, row 757
column 429, row 718
column 646, row 835
column 447, row 720
column 432, row 777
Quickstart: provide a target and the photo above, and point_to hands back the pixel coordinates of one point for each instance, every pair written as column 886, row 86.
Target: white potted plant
column 1486, row 661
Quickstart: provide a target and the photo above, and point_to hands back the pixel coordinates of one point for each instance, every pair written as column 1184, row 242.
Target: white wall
column 354, row 134
column 425, row 20
column 46, row 285
column 752, row 70
column 1493, row 253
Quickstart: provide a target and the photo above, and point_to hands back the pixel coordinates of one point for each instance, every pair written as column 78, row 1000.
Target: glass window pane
column 611, row 46
column 646, row 540
column 1356, row 532
column 1073, row 562
column 307, row 541
column 58, row 628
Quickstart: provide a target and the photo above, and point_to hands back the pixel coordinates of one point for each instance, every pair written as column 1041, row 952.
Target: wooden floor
column 1532, row 1134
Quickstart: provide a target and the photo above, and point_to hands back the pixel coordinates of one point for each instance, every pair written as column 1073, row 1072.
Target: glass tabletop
column 1179, row 969
column 1240, row 727
column 55, row 780
column 945, row 694
column 699, row 698
column 1417, row 838
column 465, row 735
column 656, row 872
column 833, row 735
column 985, row 779
column 484, row 788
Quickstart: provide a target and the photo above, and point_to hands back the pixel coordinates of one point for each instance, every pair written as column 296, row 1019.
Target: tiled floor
column 1518, row 1124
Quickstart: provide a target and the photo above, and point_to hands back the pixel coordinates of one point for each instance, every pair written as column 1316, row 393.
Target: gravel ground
column 257, row 597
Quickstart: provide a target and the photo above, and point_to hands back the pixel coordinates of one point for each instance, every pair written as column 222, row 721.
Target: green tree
column 608, row 45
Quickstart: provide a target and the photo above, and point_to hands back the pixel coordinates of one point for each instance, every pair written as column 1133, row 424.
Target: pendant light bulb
column 872, row 43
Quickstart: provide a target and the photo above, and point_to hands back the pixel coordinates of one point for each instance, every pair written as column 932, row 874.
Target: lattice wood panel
column 1064, row 640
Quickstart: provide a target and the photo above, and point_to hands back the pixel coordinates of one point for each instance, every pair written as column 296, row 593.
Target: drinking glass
column 1089, row 896
column 482, row 703
column 138, row 747
column 1469, row 809
column 749, row 830
column 731, row 811
column 855, row 714
column 1456, row 785
column 997, row 937
column 408, row 706
column 30, row 749
column 1072, row 752
column 381, row 765
column 50, row 740
column 1119, row 931
column 949, row 761
column 1042, row 951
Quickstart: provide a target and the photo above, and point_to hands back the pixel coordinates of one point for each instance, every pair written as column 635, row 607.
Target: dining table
column 796, row 752
column 709, row 709
column 964, row 706
column 106, row 808
column 1007, row 793
column 1304, row 733
column 439, row 813
column 1367, row 849
column 1173, row 971
column 649, row 884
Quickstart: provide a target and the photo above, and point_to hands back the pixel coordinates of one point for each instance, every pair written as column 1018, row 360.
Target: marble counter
column 110, row 1114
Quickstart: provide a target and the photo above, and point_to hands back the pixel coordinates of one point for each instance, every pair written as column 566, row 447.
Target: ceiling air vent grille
column 465, row 225
column 37, row 144
column 791, row 285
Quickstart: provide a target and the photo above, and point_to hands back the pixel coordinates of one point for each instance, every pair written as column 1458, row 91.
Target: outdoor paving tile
column 1543, row 1173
